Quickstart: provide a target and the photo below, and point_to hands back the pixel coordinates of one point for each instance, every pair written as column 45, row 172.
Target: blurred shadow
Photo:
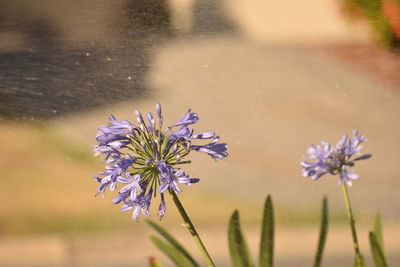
column 209, row 16
column 59, row 57
column 55, row 68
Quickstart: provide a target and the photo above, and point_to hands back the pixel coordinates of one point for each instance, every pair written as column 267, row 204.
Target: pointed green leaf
column 172, row 241
column 266, row 256
column 240, row 254
column 323, row 232
column 174, row 254
column 154, row 262
column 377, row 253
column 378, row 229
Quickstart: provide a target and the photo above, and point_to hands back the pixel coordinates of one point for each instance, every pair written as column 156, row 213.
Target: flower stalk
column 189, row 225
column 359, row 260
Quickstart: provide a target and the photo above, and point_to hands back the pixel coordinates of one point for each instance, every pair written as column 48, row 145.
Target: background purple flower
column 325, row 159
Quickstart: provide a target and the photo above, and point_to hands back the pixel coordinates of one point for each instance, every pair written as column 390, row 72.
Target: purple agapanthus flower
column 324, row 158
column 143, row 159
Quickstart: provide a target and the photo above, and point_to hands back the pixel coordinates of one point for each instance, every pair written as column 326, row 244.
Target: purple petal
column 126, row 207
column 205, row 135
column 119, row 198
column 216, row 151
column 139, row 117
column 150, row 119
column 158, row 109
column 189, row 118
column 183, row 132
column 366, row 156
column 162, row 208
column 163, row 187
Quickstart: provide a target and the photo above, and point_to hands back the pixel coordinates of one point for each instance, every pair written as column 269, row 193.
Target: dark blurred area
column 68, row 56
column 58, row 57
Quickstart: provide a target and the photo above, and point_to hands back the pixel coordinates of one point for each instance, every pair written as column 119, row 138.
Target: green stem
column 192, row 229
column 352, row 225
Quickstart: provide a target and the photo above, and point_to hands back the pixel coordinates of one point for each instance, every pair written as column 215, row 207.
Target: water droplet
column 31, row 78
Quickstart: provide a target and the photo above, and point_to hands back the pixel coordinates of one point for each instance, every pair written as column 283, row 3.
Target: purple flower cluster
column 143, row 158
column 324, row 158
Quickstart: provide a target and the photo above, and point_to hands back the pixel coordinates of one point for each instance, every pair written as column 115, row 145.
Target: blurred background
column 270, row 77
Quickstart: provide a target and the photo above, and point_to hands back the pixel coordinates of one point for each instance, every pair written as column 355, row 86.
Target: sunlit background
column 270, row 77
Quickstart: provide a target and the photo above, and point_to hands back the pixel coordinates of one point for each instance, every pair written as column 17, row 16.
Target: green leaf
column 174, row 254
column 172, row 241
column 154, row 262
column 238, row 249
column 377, row 253
column 359, row 261
column 378, row 230
column 323, row 232
column 266, row 257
